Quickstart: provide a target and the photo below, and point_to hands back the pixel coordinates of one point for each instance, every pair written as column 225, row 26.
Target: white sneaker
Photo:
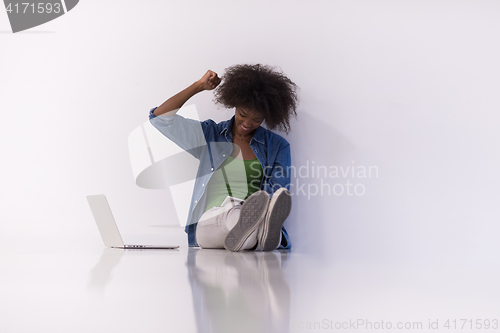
column 252, row 214
column 279, row 209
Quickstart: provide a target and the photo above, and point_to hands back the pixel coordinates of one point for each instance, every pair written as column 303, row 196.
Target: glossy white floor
column 65, row 286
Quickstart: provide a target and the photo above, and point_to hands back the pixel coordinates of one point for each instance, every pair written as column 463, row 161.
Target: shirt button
column 223, row 155
column 202, row 184
column 212, row 169
column 195, row 201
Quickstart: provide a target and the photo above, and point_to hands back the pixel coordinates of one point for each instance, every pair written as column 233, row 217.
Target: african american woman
column 241, row 193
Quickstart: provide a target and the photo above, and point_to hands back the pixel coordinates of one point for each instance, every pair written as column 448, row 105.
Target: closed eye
column 243, row 115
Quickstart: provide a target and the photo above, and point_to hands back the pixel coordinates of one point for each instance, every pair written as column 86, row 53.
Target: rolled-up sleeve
column 184, row 132
column 151, row 114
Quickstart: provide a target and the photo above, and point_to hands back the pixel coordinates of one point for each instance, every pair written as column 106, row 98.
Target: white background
column 408, row 86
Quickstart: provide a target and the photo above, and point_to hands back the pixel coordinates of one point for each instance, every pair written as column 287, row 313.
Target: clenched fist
column 209, row 81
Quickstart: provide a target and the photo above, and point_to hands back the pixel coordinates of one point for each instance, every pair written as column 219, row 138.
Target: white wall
column 410, row 87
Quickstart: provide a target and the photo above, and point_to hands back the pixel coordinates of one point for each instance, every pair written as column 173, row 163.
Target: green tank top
column 243, row 176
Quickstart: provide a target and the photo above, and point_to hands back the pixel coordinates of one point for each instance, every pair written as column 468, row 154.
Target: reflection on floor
column 239, row 291
column 94, row 289
column 231, row 291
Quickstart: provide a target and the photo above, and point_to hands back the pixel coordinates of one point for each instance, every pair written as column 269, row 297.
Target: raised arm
column 208, row 82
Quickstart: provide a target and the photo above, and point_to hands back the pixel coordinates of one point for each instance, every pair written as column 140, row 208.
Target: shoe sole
column 252, row 214
column 279, row 210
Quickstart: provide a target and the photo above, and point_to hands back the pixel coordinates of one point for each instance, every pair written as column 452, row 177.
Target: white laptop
column 108, row 228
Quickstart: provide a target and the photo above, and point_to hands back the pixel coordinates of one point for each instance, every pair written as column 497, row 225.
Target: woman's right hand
column 209, row 81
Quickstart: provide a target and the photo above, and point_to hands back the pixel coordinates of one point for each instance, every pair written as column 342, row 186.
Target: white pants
column 215, row 224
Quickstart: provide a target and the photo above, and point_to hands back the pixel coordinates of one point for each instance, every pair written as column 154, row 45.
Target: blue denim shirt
column 212, row 143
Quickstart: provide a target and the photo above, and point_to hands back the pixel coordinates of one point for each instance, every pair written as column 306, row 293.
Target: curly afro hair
column 260, row 88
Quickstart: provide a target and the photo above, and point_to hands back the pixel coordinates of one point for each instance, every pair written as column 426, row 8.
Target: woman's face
column 246, row 121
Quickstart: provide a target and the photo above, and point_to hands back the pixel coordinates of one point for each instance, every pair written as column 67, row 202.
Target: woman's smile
column 245, row 129
column 246, row 121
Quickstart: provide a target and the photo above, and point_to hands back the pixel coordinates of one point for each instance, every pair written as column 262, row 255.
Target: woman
column 241, row 195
